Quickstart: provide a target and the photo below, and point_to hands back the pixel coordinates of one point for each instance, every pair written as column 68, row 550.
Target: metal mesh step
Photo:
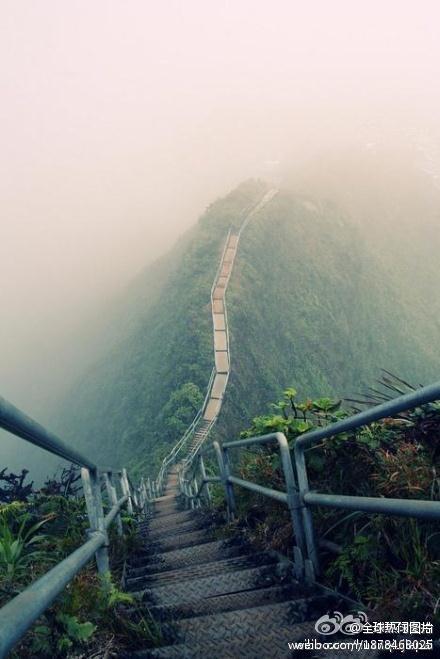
column 230, row 602
column 177, row 529
column 220, row 584
column 179, row 541
column 198, row 571
column 199, row 554
column 229, row 625
column 259, row 644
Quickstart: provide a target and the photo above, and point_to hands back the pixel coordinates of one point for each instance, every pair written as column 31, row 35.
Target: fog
column 120, row 121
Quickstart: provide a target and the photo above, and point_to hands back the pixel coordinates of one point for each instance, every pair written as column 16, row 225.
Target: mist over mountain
column 319, row 299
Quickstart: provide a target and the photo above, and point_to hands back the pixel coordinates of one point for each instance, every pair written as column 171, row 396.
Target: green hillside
column 309, row 305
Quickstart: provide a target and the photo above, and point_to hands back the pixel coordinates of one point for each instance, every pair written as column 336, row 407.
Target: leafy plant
column 17, row 549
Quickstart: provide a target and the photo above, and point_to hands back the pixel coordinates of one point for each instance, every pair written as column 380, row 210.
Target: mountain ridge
column 308, row 305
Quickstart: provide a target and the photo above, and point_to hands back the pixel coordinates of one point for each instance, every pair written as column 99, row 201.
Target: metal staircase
column 187, row 448
column 218, row 598
column 209, row 596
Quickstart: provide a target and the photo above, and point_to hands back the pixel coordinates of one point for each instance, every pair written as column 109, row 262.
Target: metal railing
column 17, row 616
column 298, row 497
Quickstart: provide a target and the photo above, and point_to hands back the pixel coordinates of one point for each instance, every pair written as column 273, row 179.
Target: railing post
column 144, row 496
column 195, row 488
column 135, row 497
column 191, row 494
column 312, row 566
column 92, row 495
column 224, row 474
column 126, row 490
column 111, row 491
column 188, row 495
column 203, row 473
column 294, row 504
column 229, row 485
column 141, row 494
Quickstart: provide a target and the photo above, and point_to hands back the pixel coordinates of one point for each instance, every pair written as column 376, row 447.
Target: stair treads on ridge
column 233, row 241
column 217, row 306
column 219, row 321
column 225, row 270
column 212, row 409
column 229, row 255
column 219, row 385
column 221, row 361
column 220, row 342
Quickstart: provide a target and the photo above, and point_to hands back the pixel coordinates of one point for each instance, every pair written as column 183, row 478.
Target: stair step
column 181, row 558
column 258, row 644
column 167, row 510
column 230, row 602
column 180, row 541
column 229, row 625
column 159, row 515
column 176, row 529
column 220, row 584
column 176, row 518
column 198, row 571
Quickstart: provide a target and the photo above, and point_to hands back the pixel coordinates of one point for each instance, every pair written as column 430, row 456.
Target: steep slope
column 142, row 394
column 308, row 305
column 311, row 306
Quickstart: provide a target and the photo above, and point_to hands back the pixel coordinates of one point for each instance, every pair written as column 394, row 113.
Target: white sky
column 120, row 121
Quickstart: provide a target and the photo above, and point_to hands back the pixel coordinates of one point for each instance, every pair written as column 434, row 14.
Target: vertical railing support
column 113, row 498
column 187, row 495
column 144, row 497
column 126, row 490
column 195, row 488
column 294, row 504
column 203, row 473
column 191, row 494
column 312, row 566
column 92, row 494
column 224, row 474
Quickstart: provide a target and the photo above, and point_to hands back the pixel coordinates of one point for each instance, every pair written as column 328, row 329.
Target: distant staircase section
column 222, row 355
column 195, row 436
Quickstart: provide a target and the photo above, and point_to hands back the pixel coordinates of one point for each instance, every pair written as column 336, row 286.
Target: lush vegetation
column 389, row 563
column 308, row 302
column 133, row 406
column 92, row 616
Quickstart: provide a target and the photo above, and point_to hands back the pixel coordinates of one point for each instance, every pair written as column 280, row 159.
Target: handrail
column 414, row 399
column 299, row 498
column 170, row 457
column 108, row 519
column 16, row 422
column 408, row 508
column 20, row 612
